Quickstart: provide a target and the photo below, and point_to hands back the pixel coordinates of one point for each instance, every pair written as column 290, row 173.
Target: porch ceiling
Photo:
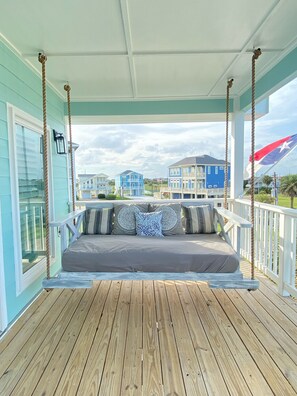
column 115, row 50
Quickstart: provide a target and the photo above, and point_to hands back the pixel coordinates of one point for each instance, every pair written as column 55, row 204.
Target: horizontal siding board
column 3, row 129
column 3, row 111
column 4, row 168
column 3, row 148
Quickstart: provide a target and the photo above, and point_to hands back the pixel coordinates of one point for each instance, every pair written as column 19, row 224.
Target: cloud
column 151, row 148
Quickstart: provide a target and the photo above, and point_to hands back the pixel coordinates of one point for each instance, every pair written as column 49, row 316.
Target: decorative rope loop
column 67, row 88
column 257, row 53
column 42, row 59
column 229, row 86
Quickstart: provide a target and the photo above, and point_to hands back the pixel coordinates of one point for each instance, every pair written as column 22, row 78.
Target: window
column 28, row 197
column 216, row 170
column 209, row 170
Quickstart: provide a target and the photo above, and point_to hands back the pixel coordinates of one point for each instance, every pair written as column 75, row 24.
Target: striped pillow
column 199, row 219
column 98, row 221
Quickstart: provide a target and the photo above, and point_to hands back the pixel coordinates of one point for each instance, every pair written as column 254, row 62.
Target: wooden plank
column 51, row 375
column 90, row 381
column 280, row 360
column 194, row 276
column 132, row 372
column 57, row 283
column 40, row 354
column 219, row 368
column 279, row 316
column 274, row 377
column 269, row 289
column 113, row 369
column 152, row 374
column 239, row 284
column 172, row 376
column 246, row 364
column 26, row 315
column 20, row 339
column 190, row 365
column 234, row 218
column 72, row 373
column 70, row 216
column 14, row 368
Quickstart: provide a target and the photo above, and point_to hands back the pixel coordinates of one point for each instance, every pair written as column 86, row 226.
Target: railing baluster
column 275, row 243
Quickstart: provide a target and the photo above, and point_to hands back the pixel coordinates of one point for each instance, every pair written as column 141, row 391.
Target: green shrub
column 265, row 190
column 101, row 196
column 265, row 198
column 111, row 196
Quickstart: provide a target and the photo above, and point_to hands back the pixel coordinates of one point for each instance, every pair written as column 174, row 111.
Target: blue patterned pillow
column 149, row 224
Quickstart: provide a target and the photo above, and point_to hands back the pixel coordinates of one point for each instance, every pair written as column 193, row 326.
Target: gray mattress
column 126, row 253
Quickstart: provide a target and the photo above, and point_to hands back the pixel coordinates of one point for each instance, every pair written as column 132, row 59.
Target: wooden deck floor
column 152, row 338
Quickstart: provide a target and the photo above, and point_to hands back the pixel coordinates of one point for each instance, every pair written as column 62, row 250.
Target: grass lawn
column 286, row 201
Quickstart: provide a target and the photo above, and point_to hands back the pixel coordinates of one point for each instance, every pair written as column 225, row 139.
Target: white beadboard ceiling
column 144, row 50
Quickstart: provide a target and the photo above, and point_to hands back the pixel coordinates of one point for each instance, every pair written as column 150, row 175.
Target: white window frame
column 17, row 116
column 3, row 306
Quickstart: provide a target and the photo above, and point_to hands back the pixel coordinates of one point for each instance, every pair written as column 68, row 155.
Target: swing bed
column 70, row 229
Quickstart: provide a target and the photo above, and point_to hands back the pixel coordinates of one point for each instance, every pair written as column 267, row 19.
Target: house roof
column 199, row 160
column 88, row 176
column 127, row 172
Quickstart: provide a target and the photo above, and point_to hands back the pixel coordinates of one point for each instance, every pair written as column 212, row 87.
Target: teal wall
column 161, row 107
column 21, row 87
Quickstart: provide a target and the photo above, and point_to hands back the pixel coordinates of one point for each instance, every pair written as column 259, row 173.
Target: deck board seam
column 28, row 341
column 37, row 383
column 262, row 346
column 222, row 335
column 110, row 334
column 243, row 344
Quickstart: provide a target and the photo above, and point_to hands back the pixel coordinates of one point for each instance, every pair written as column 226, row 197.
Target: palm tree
column 267, row 180
column 289, row 187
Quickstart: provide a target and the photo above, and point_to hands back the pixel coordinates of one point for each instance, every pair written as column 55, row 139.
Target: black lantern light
column 60, row 142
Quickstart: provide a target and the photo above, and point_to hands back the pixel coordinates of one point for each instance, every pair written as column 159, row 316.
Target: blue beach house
column 202, row 176
column 129, row 183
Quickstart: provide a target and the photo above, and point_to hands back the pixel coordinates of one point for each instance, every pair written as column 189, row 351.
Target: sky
column 150, row 148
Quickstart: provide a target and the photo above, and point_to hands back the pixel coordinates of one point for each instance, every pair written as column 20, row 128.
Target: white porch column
column 237, row 151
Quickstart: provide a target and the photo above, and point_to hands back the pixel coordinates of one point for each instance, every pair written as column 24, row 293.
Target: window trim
column 24, row 280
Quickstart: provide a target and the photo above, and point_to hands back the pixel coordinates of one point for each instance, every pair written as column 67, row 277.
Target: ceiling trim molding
column 128, row 39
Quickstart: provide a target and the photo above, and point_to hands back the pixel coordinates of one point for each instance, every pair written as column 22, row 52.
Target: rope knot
column 42, row 57
column 67, row 87
column 230, row 82
column 257, row 53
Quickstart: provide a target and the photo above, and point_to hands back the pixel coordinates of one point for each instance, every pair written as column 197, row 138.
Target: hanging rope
column 257, row 53
column 67, row 88
column 42, row 59
column 229, row 85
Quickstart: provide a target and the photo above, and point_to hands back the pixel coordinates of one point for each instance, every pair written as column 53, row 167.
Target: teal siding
column 21, row 87
column 162, row 107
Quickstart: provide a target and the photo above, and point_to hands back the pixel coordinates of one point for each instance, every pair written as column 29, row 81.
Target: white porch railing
column 275, row 242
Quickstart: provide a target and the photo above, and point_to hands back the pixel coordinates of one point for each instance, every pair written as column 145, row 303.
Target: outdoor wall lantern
column 60, row 142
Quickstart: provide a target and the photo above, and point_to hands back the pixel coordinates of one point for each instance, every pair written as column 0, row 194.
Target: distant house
column 90, row 185
column 197, row 177
column 129, row 183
